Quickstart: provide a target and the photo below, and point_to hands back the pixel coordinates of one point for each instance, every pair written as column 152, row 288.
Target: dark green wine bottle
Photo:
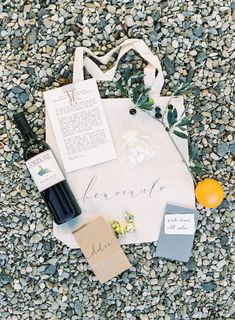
column 47, row 174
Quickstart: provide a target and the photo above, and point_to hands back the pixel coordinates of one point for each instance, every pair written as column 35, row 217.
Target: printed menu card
column 101, row 249
column 79, row 124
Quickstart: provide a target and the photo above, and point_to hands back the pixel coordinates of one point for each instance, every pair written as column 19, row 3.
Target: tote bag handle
column 155, row 83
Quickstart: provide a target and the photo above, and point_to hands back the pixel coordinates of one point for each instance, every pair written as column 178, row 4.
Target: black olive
column 132, row 111
column 157, row 109
column 158, row 115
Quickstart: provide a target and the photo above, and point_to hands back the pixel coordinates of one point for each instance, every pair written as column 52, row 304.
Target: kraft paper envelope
column 176, row 246
column 101, row 249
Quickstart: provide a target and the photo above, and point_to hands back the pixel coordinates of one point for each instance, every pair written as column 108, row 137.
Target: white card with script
column 148, row 171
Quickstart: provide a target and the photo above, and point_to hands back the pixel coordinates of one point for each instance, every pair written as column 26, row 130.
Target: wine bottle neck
column 28, row 136
column 24, row 127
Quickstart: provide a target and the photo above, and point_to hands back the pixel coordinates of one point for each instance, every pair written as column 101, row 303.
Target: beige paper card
column 102, row 250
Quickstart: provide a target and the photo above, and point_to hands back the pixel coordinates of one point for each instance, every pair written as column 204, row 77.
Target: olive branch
column 133, row 87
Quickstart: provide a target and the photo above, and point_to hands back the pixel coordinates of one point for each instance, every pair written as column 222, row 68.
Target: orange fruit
column 209, row 193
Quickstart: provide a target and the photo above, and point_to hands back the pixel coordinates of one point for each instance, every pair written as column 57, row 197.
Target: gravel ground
column 41, row 278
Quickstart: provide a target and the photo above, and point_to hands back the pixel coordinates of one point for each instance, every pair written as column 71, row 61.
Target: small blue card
column 176, row 245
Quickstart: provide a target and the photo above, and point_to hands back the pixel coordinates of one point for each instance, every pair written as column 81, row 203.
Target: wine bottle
column 47, row 174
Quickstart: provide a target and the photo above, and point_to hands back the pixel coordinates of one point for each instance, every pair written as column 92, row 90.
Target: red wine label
column 45, row 170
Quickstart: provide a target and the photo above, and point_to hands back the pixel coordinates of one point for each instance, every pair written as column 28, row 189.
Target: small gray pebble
column 108, row 29
column 9, row 157
column 42, row 43
column 209, row 286
column 51, row 42
column 186, row 275
column 23, row 97
column 198, row 31
column 186, row 24
column 101, row 24
column 201, row 57
column 86, row 43
column 51, row 270
column 8, row 124
column 36, row 238
column 78, row 307
column 222, row 149
column 54, row 305
column 224, row 205
column 232, row 149
column 17, row 90
column 170, row 69
column 5, row 278
column 153, row 36
column 30, row 70
column 191, row 265
column 129, row 21
column 17, row 42
column 169, row 49
column 224, row 240
column 32, row 36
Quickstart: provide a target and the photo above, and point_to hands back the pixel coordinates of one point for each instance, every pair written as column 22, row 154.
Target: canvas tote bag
column 148, row 172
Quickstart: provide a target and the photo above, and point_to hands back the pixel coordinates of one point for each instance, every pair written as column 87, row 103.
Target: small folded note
column 177, row 233
column 101, row 249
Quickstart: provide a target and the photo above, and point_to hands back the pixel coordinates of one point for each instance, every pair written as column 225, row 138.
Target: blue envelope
column 176, row 246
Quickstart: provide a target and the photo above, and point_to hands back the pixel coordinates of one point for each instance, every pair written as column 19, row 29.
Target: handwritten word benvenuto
column 150, row 190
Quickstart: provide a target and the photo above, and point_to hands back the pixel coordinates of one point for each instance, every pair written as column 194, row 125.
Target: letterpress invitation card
column 101, row 249
column 79, row 124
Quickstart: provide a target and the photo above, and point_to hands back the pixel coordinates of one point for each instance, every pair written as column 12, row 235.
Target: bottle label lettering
column 45, row 170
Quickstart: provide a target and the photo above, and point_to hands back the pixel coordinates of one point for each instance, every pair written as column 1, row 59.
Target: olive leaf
column 137, row 76
column 193, row 151
column 185, row 86
column 127, row 74
column 135, row 95
column 182, row 128
column 172, row 117
column 185, row 121
column 140, row 97
column 142, row 100
column 190, row 75
column 182, row 89
column 180, row 134
column 197, row 168
column 120, row 87
column 146, row 107
column 145, row 103
column 175, row 114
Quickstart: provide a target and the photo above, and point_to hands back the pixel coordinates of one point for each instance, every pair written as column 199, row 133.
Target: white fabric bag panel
column 108, row 189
